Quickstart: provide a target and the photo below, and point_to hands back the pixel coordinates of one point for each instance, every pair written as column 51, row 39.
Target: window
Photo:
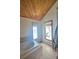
column 48, row 31
column 35, row 32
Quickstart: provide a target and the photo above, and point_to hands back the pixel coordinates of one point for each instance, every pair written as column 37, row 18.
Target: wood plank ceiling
column 35, row 9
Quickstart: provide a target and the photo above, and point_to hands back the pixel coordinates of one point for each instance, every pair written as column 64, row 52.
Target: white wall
column 51, row 15
column 26, row 26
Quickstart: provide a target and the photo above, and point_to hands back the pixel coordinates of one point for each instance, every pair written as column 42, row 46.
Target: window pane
column 48, row 32
column 34, row 32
